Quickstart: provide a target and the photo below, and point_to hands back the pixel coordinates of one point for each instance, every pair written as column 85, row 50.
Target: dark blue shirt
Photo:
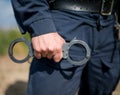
column 34, row 16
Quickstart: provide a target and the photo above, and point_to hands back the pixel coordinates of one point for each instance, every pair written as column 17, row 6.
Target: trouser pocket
column 110, row 74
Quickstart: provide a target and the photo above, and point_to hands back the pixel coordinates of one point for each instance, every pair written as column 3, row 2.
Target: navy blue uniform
column 98, row 77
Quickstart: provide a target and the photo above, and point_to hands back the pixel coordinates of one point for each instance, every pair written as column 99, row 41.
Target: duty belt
column 104, row 7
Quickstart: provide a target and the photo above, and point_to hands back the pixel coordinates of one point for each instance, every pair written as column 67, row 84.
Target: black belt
column 105, row 7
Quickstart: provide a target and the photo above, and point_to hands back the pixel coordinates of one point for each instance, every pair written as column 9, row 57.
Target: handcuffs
column 66, row 47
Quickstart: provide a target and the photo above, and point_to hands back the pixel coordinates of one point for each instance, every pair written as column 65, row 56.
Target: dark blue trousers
column 98, row 77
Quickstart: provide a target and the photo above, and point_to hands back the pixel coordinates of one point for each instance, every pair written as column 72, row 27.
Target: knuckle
column 36, row 49
column 37, row 55
column 44, row 49
column 49, row 57
column 57, row 58
column 51, row 49
column 58, row 48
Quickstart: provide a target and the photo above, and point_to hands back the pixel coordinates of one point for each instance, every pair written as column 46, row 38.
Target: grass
column 6, row 37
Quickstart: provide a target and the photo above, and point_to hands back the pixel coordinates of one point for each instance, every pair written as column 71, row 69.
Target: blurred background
column 13, row 77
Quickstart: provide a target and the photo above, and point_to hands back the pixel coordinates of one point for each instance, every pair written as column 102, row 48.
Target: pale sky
column 7, row 19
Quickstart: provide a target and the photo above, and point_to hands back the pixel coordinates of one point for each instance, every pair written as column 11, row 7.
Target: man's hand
column 49, row 46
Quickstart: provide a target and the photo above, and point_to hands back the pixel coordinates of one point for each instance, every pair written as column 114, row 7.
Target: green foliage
column 6, row 37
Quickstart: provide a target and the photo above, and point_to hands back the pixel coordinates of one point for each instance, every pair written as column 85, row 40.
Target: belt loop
column 107, row 7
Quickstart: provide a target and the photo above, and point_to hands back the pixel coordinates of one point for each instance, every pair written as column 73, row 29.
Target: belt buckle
column 107, row 7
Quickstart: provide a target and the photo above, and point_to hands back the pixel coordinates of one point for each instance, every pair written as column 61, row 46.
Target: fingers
column 40, row 49
column 35, row 44
column 58, row 56
column 55, row 54
column 40, row 52
column 48, row 46
column 37, row 55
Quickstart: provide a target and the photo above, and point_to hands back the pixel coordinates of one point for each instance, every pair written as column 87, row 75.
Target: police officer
column 52, row 23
